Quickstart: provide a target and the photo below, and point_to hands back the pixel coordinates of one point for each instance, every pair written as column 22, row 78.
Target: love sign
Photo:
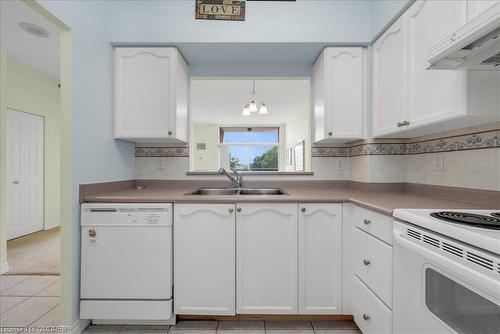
column 231, row 10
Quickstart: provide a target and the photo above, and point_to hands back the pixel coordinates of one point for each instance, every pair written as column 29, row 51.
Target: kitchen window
column 250, row 148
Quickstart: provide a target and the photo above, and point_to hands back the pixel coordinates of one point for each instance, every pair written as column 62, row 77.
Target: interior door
column 24, row 173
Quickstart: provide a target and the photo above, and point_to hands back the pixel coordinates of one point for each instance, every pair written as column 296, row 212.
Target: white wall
column 96, row 156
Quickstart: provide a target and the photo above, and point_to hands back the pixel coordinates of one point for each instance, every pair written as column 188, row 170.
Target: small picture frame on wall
column 288, row 156
column 299, row 156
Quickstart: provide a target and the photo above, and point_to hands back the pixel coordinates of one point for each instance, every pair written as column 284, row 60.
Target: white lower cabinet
column 367, row 268
column 204, row 259
column 266, row 257
column 320, row 258
column 370, row 314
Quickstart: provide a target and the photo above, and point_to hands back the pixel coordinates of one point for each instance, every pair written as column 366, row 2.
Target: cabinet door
column 266, row 276
column 389, row 79
column 433, row 95
column 204, row 259
column 144, row 92
column 476, row 7
column 320, row 258
column 345, row 98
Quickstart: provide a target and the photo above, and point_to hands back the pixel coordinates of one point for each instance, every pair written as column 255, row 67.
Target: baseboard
column 273, row 317
column 4, row 268
column 78, row 326
column 53, row 224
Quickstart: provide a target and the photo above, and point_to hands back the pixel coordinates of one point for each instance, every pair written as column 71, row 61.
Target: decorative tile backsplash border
column 154, row 152
column 471, row 141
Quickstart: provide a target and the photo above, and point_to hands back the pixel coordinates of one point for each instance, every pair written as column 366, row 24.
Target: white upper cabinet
column 151, row 95
column 410, row 100
column 389, row 79
column 320, row 258
column 338, row 85
column 433, row 95
column 266, row 258
column 476, row 7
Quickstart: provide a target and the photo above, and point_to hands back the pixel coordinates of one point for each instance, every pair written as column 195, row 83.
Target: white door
column 204, row 259
column 345, row 92
column 389, row 79
column 320, row 258
column 434, row 95
column 24, row 173
column 266, row 257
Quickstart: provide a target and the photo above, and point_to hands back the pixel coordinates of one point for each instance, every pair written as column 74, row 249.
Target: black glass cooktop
column 470, row 219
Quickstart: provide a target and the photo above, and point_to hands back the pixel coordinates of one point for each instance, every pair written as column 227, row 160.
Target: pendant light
column 251, row 107
column 246, row 110
column 263, row 109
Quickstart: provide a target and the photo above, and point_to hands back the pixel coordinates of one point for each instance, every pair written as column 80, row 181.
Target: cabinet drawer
column 373, row 264
column 375, row 223
column 370, row 314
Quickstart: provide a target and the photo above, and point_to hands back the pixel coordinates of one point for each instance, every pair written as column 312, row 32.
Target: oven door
column 435, row 294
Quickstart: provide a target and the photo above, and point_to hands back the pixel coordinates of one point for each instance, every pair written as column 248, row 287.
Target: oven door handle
column 483, row 282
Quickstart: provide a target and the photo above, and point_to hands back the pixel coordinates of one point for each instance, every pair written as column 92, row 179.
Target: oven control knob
column 366, row 262
column 366, row 317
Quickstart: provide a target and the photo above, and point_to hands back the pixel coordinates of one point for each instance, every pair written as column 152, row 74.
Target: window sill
column 255, row 173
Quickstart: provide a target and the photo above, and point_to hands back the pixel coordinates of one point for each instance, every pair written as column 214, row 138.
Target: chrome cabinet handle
column 238, row 209
column 367, row 221
column 366, row 317
column 366, row 262
column 303, row 209
column 231, row 210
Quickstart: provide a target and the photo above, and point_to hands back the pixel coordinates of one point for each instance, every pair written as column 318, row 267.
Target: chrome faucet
column 237, row 181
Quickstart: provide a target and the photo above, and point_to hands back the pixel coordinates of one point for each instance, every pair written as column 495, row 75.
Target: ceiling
column 214, row 100
column 35, row 52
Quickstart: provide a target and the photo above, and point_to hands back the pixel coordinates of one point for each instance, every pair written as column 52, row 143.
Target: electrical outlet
column 438, row 161
column 160, row 164
column 340, row 164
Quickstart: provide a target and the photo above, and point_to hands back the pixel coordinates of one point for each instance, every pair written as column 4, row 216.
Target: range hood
column 474, row 46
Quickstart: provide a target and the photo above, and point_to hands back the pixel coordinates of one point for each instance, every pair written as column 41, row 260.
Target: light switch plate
column 438, row 161
column 340, row 164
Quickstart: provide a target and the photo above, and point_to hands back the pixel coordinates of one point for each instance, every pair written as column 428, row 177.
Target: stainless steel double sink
column 238, row 191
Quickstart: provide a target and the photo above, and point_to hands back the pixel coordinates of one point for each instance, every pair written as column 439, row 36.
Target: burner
column 468, row 219
column 496, row 214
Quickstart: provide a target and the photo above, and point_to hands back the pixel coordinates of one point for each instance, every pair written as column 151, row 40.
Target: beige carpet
column 37, row 253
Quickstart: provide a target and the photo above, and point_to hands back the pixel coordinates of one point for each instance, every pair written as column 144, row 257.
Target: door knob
column 366, row 262
column 330, row 133
column 303, row 209
column 16, row 182
column 170, row 133
column 231, row 210
column 238, row 209
column 366, row 221
column 366, row 317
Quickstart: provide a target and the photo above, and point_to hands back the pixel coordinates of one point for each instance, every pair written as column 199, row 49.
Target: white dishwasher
column 126, row 262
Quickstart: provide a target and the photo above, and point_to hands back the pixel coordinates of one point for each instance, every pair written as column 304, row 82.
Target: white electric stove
column 479, row 228
column 446, row 266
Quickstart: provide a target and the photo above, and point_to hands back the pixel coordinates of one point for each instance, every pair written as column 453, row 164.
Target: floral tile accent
column 324, row 152
column 378, row 149
column 489, row 139
column 149, row 152
column 471, row 141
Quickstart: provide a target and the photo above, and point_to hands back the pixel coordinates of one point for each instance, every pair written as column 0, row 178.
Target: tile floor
column 28, row 301
column 236, row 327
